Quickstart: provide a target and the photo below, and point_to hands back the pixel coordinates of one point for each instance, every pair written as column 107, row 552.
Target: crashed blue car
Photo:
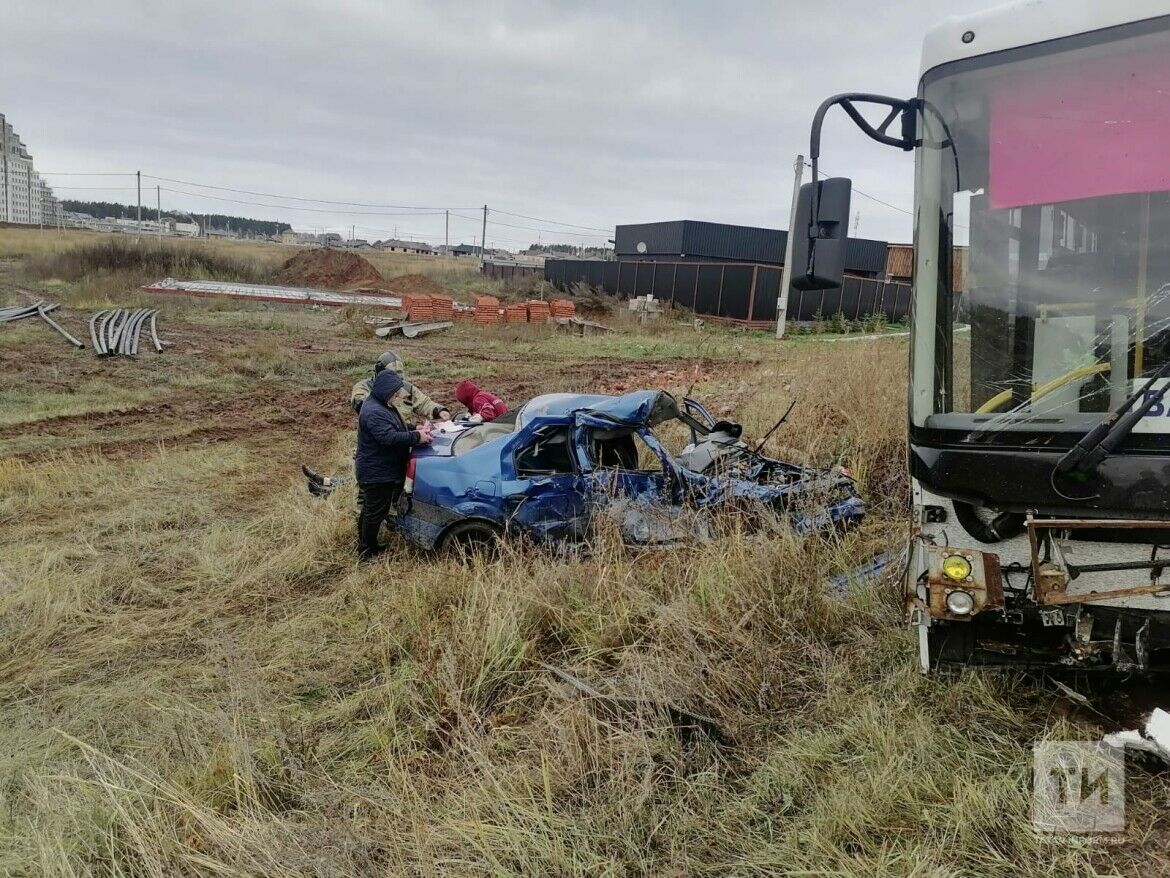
column 551, row 470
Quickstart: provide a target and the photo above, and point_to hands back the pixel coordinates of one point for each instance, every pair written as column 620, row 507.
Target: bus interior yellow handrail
column 1005, row 396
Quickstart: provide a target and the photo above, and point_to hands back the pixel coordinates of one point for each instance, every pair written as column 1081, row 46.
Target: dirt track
column 308, row 418
column 296, row 382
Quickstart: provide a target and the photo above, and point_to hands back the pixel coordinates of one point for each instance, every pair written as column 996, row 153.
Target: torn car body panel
column 546, row 471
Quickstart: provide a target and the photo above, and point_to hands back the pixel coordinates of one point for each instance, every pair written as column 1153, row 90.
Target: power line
column 291, row 207
column 886, row 203
column 864, row 194
column 299, row 198
column 94, row 188
column 591, row 233
column 386, row 206
column 534, row 229
column 551, row 222
column 421, row 211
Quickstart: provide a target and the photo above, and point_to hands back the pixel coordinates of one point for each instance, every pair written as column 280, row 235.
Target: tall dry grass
column 147, row 258
column 197, row 679
column 85, row 266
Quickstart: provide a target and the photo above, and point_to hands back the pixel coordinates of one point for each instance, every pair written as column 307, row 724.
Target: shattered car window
column 549, row 454
column 622, row 449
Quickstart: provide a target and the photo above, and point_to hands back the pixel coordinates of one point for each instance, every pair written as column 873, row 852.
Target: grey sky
column 592, row 114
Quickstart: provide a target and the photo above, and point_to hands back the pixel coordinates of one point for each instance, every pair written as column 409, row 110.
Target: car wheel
column 470, row 538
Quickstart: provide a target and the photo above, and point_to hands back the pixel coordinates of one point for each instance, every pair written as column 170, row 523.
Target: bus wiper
column 1099, row 443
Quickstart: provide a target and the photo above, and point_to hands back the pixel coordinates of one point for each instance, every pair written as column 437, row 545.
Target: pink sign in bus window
column 1100, row 127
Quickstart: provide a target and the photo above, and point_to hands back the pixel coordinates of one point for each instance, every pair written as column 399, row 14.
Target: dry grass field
column 196, row 678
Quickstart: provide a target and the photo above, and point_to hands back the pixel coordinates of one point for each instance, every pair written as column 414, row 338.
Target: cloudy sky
column 580, row 115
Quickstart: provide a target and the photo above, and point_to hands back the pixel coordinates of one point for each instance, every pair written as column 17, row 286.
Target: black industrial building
column 731, row 272
column 692, row 241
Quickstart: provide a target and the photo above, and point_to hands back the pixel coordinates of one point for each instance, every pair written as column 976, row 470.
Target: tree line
column 568, row 249
column 219, row 221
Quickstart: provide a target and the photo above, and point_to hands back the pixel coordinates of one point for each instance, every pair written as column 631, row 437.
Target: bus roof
column 1028, row 22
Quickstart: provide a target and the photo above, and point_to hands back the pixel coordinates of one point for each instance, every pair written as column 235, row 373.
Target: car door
column 634, row 485
column 547, row 498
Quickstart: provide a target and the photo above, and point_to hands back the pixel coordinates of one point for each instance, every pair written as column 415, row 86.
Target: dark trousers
column 377, row 499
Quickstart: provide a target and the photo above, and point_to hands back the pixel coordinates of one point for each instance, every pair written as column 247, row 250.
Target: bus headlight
column 960, row 583
column 956, row 568
column 961, row 603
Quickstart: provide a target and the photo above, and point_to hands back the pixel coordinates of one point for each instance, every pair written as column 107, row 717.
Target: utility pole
column 483, row 238
column 447, row 231
column 139, row 175
column 158, row 203
column 786, row 274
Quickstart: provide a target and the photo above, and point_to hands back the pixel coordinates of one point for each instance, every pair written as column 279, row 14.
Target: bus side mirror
column 818, row 245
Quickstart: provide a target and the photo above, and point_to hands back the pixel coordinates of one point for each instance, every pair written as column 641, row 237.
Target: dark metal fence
column 509, row 270
column 742, row 291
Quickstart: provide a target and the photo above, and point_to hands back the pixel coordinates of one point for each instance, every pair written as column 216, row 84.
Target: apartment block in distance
column 24, row 197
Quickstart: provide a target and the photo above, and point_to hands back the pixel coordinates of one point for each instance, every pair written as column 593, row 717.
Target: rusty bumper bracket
column 1052, row 577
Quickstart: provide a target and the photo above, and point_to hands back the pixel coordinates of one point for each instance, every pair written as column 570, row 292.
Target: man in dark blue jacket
column 384, row 442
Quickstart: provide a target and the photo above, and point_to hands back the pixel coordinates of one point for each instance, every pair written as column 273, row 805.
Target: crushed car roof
column 639, row 407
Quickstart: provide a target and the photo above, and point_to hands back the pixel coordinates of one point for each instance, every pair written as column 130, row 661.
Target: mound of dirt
column 329, row 269
column 414, row 285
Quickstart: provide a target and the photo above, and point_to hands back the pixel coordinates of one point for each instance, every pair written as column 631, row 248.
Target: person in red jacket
column 482, row 405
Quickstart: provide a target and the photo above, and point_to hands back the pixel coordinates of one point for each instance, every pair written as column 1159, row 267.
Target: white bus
column 1039, row 437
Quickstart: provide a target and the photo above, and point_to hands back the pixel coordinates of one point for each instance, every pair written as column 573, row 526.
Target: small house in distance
column 394, row 245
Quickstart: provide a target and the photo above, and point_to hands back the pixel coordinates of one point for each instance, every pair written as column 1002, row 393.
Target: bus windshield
column 1042, row 276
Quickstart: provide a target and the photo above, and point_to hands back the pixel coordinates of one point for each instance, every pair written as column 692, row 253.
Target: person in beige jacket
column 416, row 405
